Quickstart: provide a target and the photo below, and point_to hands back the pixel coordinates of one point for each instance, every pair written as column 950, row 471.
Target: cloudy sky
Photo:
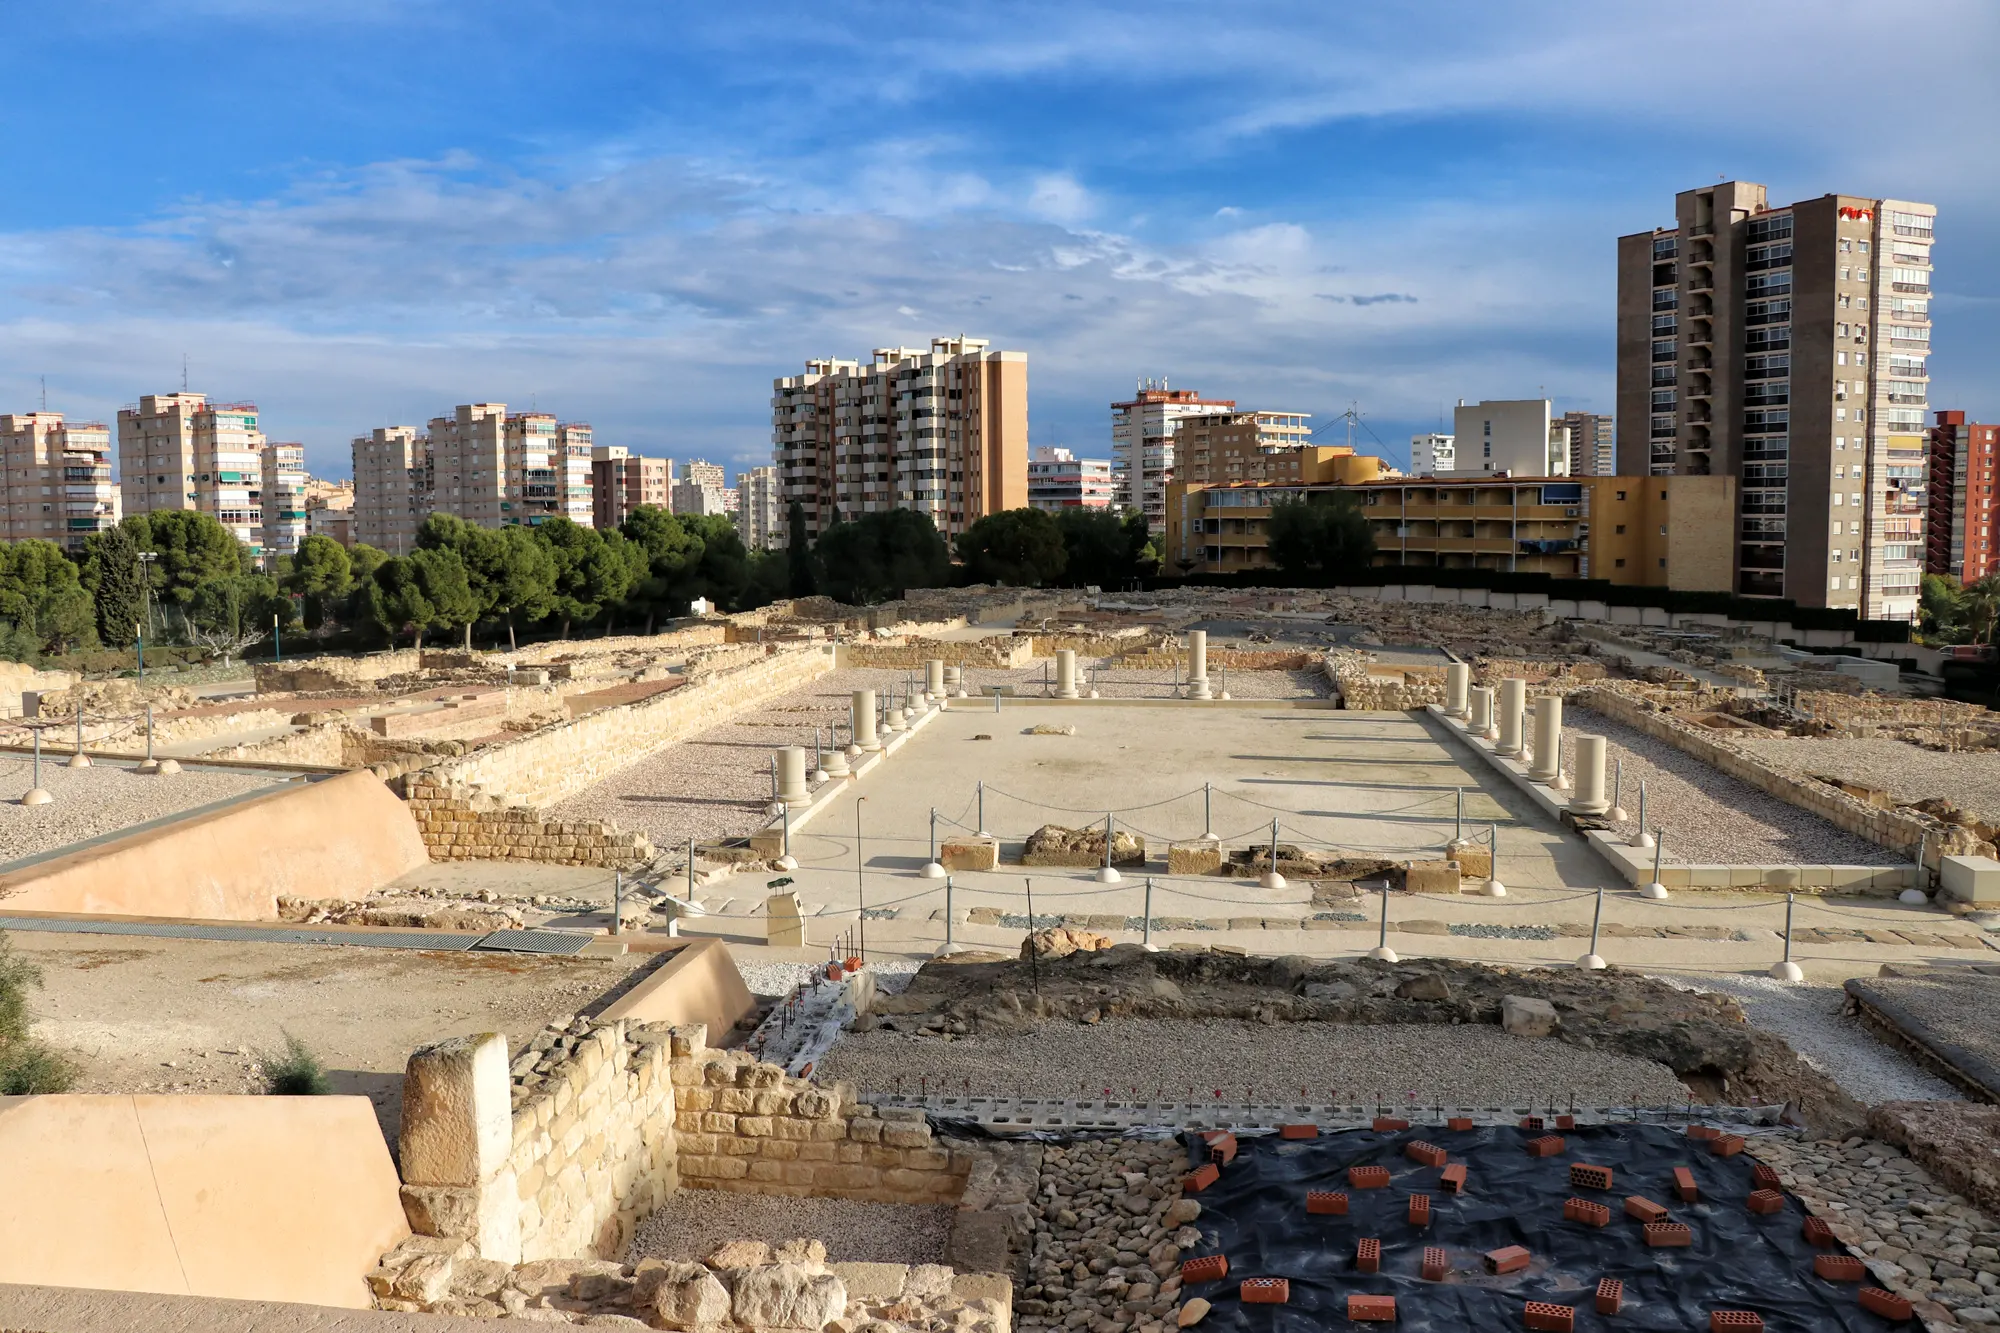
column 359, row 212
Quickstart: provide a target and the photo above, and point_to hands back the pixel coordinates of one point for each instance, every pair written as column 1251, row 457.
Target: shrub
column 293, row 1072
column 30, row 1069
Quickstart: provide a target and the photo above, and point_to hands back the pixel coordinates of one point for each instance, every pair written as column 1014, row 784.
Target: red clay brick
column 1459, row 1122
column 1765, row 1177
column 1765, row 1201
column 1586, row 1212
column 1610, row 1295
column 1221, row 1148
column 1704, row 1132
column 1436, row 1264
column 1668, row 1235
column 1584, row 1176
column 1427, row 1153
column 1371, row 1309
column 1389, row 1124
column 1533, row 1122
column 1367, row 1255
column 1200, row 1178
column 1885, row 1303
column 1644, row 1209
column 1265, row 1291
column 1565, row 1122
column 1546, row 1146
column 1508, row 1259
column 1553, row 1318
column 1727, row 1146
column 1684, row 1185
column 1368, row 1177
column 1420, row 1210
column 1208, row 1268
column 1326, row 1203
column 1298, row 1131
column 1735, row 1321
column 1839, row 1267
column 1453, row 1178
column 1817, row 1232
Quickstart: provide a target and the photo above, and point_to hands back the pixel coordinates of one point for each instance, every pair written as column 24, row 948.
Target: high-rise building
column 330, row 510
column 760, row 513
column 704, row 473
column 575, row 446
column 392, row 487
column 1431, row 455
column 1516, row 436
column 282, row 498
column 1592, row 451
column 180, row 451
column 621, row 481
column 942, row 432
column 55, row 479
column 1960, row 538
column 699, row 498
column 1785, row 345
column 469, row 461
column 1211, row 448
column 1142, row 443
column 1059, row 480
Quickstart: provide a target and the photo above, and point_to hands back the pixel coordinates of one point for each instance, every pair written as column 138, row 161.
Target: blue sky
column 359, row 212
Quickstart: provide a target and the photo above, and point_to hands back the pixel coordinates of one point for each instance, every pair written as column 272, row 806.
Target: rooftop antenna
column 45, row 393
column 184, row 372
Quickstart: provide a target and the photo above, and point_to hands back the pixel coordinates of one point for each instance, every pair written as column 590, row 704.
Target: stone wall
column 461, row 823
column 333, row 673
column 1363, row 685
column 997, row 651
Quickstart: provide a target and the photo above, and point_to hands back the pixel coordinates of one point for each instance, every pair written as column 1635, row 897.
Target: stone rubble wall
column 334, row 673
column 1361, row 685
column 461, row 823
column 997, row 651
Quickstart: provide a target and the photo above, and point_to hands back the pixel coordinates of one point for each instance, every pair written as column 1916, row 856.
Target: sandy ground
column 162, row 1015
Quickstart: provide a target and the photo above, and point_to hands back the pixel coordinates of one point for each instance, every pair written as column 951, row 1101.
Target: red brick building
column 1961, row 540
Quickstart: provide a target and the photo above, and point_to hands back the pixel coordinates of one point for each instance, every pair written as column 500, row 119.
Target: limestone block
column 784, row 921
column 681, row 1295
column 1201, row 857
column 874, row 1284
column 788, row 1296
column 1524, row 1016
column 969, row 853
column 457, row 1126
column 1432, row 877
column 442, row 1210
column 1474, row 862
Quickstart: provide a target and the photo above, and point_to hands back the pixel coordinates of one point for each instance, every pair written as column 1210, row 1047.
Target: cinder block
column 1546, row 1146
column 1429, row 1154
column 1703, row 1132
column 1610, row 1295
column 1548, row 1316
column 1533, row 1122
column 1200, row 1178
column 1461, row 1123
column 1887, row 1304
column 1420, row 1210
column 1367, row 1177
column 1735, row 1321
column 1221, row 1147
column 1265, row 1291
column 1644, row 1209
column 1367, row 1255
column 1436, row 1264
column 1668, row 1235
column 1765, row 1201
column 1389, row 1124
column 1685, row 1188
column 1727, row 1146
column 1208, row 1268
column 1839, row 1267
column 1565, row 1122
column 1371, row 1309
column 1584, row 1176
column 1326, row 1203
column 1508, row 1259
column 1586, row 1212
column 1453, row 1179
column 1298, row 1131
column 1817, row 1232
column 1765, row 1177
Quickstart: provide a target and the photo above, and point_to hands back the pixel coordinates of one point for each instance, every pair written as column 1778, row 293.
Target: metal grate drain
column 244, row 934
column 537, row 941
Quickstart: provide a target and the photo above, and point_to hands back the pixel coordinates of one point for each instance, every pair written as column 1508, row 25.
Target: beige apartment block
column 575, row 443
column 1515, row 437
column 1213, row 448
column 282, row 502
column 760, row 514
column 1592, row 451
column 621, row 481
column 391, row 488
column 1786, row 345
column 1142, row 443
column 180, row 451
column 942, row 432
column 55, row 479
column 469, row 463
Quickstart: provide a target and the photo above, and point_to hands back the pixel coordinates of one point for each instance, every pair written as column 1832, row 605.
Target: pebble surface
column 692, row 1223
column 1910, row 772
column 1710, row 817
column 104, row 798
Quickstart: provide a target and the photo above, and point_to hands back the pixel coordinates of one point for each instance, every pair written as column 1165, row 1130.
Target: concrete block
column 1970, row 879
column 969, row 853
column 1194, row 858
column 1432, row 877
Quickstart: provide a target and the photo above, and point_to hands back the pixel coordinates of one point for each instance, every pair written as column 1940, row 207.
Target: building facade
column 1593, row 448
column 1059, row 480
column 700, row 498
column 1517, row 436
column 282, row 498
column 1431, row 455
column 55, row 479
column 392, row 487
column 575, row 443
column 330, row 510
column 1212, row 448
column 1142, row 443
column 621, row 481
column 180, row 451
column 942, row 432
column 1785, row 345
column 760, row 514
column 1960, row 540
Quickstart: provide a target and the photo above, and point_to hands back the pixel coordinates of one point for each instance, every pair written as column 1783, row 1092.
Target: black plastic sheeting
column 1256, row 1214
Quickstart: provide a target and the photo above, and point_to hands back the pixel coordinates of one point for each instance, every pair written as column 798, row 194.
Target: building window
column 1620, row 530
column 1621, row 495
column 1663, row 562
column 1619, row 563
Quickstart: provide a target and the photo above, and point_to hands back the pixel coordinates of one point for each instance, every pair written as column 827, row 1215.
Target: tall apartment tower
column 282, row 502
column 1591, row 449
column 55, row 479
column 469, row 463
column 621, row 481
column 1785, row 345
column 1960, row 540
column 1142, row 443
column 1212, row 448
column 575, row 444
column 943, row 432
column 392, row 487
column 760, row 510
column 180, row 451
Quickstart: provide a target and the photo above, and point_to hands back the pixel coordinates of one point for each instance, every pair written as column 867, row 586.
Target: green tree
column 1144, row 547
column 1314, row 540
column 440, row 575
column 322, row 575
column 1020, row 547
column 508, row 572
column 192, row 549
column 230, row 614
column 1942, row 609
column 42, row 596
column 663, row 552
column 881, row 555
column 800, row 579
column 591, row 575
column 1098, row 547
column 393, row 601
column 722, row 574
column 117, row 583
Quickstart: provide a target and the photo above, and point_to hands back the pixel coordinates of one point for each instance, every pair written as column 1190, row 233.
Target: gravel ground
column 1809, row 1018
column 104, row 798
column 1357, row 1061
column 694, row 1222
column 1710, row 817
column 779, row 979
column 1948, row 1007
column 1910, row 771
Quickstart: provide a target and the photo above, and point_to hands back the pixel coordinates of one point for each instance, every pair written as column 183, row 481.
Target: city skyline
column 1405, row 210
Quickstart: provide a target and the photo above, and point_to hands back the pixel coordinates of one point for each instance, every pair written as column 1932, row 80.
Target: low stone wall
column 998, row 651
column 1362, row 685
column 333, row 673
column 460, row 823
column 1103, row 645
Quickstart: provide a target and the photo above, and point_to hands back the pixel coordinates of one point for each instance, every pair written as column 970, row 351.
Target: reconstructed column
column 934, row 677
column 1590, row 798
column 864, row 721
column 1513, row 702
column 1197, row 664
column 792, row 789
column 1481, row 720
column 1548, row 739
column 1066, row 673
column 1457, row 680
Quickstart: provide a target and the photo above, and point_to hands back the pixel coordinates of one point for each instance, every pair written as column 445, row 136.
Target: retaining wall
column 997, row 651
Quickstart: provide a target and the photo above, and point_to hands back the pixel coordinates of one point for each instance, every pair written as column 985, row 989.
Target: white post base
column 1384, row 954
column 1913, row 897
column 1495, row 889
column 932, row 870
column 1590, row 962
column 1640, row 839
column 1787, row 972
column 1271, row 879
column 168, row 767
column 37, row 796
column 1655, row 891
column 947, row 950
column 787, row 863
column 78, row 761
column 1616, row 814
column 1109, row 875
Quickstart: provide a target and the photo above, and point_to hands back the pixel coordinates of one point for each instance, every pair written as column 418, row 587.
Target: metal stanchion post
column 1382, row 950
column 950, row 946
column 1208, row 812
column 1146, row 925
column 932, row 868
column 982, row 810
column 1641, row 838
column 1458, row 819
column 1271, row 879
column 617, row 900
column 1592, row 961
column 1785, row 969
column 1108, row 873
column 1656, row 889
column 1494, row 888
column 1915, row 893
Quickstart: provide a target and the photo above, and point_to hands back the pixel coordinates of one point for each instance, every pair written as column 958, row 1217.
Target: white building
column 1517, row 436
column 284, row 498
column 760, row 516
column 1142, row 444
column 1431, row 455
